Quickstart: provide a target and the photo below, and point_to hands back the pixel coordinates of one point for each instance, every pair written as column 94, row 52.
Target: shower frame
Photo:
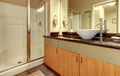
column 28, row 26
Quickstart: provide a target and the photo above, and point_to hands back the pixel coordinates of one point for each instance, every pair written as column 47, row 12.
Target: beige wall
column 54, row 10
column 58, row 8
column 64, row 12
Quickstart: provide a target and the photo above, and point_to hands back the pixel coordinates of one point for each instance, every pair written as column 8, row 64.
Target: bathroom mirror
column 106, row 10
column 79, row 14
column 79, row 20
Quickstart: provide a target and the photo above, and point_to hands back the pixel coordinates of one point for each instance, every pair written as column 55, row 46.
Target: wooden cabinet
column 90, row 67
column 111, row 69
column 117, row 70
column 62, row 61
column 70, row 63
column 52, row 57
column 94, row 67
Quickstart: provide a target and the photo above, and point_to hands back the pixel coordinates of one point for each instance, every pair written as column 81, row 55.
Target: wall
column 58, row 8
column 54, row 10
column 64, row 14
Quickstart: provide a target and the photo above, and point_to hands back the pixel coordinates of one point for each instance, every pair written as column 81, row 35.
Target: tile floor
column 41, row 70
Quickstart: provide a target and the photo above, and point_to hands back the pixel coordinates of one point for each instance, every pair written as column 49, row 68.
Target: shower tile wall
column 13, row 32
column 2, row 36
column 37, row 32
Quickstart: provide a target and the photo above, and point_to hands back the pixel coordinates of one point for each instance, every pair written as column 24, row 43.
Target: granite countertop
column 105, row 43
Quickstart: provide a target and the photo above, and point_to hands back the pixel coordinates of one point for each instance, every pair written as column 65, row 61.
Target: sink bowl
column 87, row 33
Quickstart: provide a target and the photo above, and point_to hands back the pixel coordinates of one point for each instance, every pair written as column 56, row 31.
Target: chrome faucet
column 101, row 23
column 101, row 30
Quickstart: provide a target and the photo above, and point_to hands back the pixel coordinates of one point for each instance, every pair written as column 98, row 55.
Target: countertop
column 105, row 43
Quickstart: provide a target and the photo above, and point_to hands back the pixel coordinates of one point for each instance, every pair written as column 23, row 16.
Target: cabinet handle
column 56, row 51
column 76, row 58
column 81, row 60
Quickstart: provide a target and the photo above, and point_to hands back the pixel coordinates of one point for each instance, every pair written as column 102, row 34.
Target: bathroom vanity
column 76, row 57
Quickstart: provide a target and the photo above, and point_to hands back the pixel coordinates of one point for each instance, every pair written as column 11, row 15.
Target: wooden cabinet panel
column 117, row 70
column 59, row 61
column 67, row 63
column 53, row 57
column 109, row 69
column 62, row 61
column 70, row 63
column 50, row 56
column 94, row 67
column 91, row 67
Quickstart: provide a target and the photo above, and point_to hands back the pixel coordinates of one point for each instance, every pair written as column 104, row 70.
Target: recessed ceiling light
column 40, row 9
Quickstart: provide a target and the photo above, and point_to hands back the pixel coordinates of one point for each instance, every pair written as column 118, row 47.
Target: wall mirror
column 79, row 20
column 79, row 14
column 106, row 10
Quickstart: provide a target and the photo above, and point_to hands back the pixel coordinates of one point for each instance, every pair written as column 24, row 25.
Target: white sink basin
column 87, row 33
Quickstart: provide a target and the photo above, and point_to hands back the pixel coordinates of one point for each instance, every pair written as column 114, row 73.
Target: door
column 117, row 70
column 70, row 63
column 50, row 56
column 13, row 33
column 109, row 69
column 91, row 67
column 36, row 29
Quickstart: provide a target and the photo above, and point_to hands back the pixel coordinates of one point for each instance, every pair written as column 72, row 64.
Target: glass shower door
column 13, row 33
column 37, row 29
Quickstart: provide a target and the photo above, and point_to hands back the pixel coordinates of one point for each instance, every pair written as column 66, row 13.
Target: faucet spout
column 101, row 30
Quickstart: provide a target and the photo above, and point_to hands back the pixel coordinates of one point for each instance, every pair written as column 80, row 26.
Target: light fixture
column 41, row 9
column 111, row 4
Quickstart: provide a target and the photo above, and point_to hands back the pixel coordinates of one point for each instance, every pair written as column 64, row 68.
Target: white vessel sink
column 87, row 33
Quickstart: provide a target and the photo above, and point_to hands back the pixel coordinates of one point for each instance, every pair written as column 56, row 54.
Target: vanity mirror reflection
column 84, row 15
column 79, row 17
column 106, row 10
column 79, row 20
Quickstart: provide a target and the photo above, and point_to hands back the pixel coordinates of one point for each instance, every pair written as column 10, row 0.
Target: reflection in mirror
column 108, row 12
column 73, row 19
column 79, row 20
column 85, row 20
column 79, row 15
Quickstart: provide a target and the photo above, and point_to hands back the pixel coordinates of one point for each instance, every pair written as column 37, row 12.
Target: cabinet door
column 70, row 63
column 50, row 56
column 53, row 57
column 109, row 69
column 117, row 70
column 91, row 67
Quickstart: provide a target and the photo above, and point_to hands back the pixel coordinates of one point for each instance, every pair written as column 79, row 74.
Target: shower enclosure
column 21, row 31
